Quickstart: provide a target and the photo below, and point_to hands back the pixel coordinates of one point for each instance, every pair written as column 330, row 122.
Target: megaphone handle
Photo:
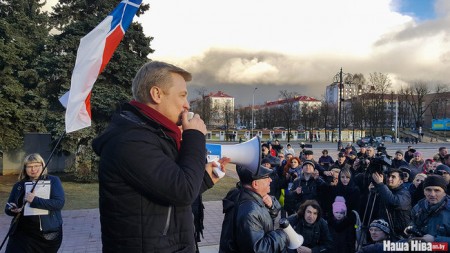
column 216, row 169
column 218, row 172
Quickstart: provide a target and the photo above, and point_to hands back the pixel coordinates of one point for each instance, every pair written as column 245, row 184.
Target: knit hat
column 308, row 162
column 399, row 152
column 381, row 224
column 435, row 180
column 443, row 167
column 339, row 205
column 417, row 153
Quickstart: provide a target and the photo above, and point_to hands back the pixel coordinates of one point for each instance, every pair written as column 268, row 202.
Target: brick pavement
column 82, row 229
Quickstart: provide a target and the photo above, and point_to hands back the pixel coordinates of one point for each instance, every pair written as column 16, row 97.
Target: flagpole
column 17, row 217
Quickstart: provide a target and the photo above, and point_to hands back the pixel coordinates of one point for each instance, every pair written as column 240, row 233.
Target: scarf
column 170, row 128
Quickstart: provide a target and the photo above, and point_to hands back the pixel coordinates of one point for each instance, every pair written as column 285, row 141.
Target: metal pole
column 253, row 105
column 340, row 108
column 396, row 120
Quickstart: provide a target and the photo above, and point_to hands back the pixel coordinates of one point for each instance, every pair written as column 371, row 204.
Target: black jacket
column 147, row 186
column 398, row 203
column 310, row 190
column 343, row 233
column 317, row 236
column 254, row 224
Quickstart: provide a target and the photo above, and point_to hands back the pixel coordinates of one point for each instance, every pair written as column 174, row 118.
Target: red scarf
column 170, row 128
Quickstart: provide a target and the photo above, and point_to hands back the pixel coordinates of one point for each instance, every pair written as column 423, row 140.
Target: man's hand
column 209, row 168
column 298, row 190
column 427, row 238
column 303, row 249
column 195, row 123
column 377, row 178
column 328, row 173
column 267, row 201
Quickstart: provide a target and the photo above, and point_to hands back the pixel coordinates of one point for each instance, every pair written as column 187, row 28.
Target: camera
column 379, row 164
column 303, row 145
column 414, row 231
column 362, row 163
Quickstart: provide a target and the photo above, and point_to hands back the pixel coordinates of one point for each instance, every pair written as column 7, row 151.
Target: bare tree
column 415, row 96
column 202, row 105
column 326, row 111
column 380, row 84
column 438, row 108
column 288, row 110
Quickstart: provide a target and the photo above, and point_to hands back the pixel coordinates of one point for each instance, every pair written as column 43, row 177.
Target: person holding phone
column 35, row 233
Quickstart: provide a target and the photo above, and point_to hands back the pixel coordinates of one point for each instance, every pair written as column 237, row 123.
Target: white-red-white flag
column 94, row 52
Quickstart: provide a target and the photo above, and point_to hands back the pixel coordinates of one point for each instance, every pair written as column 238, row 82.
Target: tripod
column 365, row 223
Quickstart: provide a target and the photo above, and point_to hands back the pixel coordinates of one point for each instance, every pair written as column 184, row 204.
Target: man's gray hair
column 155, row 73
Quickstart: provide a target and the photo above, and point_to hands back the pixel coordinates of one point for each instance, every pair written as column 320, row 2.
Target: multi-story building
column 300, row 102
column 216, row 109
column 332, row 93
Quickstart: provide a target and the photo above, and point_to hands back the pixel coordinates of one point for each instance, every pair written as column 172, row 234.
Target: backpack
column 228, row 234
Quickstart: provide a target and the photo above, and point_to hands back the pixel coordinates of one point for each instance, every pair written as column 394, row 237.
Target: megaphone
column 295, row 240
column 246, row 154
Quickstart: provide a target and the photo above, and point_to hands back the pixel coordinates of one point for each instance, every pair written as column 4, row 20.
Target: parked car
column 384, row 138
column 241, row 127
column 365, row 141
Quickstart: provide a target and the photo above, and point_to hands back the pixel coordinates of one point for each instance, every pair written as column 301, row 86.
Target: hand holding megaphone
column 216, row 168
column 295, row 240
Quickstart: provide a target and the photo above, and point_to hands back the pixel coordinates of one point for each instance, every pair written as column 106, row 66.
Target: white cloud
column 185, row 28
column 297, row 43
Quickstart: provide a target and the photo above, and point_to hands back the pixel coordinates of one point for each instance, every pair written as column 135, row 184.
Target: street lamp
column 253, row 105
column 341, row 99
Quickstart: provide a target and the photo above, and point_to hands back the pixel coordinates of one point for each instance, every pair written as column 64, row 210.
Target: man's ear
column 255, row 184
column 156, row 94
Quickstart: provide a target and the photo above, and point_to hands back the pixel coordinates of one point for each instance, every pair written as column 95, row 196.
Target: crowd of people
column 350, row 203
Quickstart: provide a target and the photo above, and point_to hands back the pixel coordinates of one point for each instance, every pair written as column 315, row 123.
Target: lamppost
column 341, row 100
column 253, row 105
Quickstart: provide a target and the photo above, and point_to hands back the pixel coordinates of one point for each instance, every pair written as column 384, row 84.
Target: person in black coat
column 309, row 223
column 346, row 188
column 250, row 212
column 342, row 227
column 306, row 187
column 395, row 201
column 398, row 160
column 152, row 166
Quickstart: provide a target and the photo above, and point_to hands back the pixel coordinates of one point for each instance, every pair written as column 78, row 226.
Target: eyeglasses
column 33, row 166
